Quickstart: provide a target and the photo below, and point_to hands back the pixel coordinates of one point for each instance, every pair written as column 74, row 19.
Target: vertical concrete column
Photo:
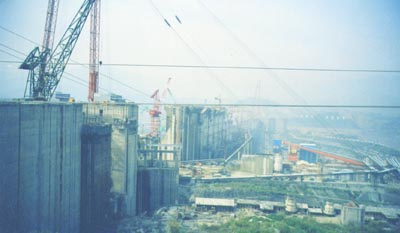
column 123, row 118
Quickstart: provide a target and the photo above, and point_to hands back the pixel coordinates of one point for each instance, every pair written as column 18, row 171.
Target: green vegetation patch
column 292, row 224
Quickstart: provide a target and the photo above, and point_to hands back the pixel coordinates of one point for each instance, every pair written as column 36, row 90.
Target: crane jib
column 45, row 70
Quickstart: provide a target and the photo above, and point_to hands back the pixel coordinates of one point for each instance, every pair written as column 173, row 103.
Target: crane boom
column 43, row 82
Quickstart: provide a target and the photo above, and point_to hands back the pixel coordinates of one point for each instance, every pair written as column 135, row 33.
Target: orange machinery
column 294, row 147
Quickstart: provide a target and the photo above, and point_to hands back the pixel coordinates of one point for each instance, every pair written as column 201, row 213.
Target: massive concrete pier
column 40, row 167
column 66, row 167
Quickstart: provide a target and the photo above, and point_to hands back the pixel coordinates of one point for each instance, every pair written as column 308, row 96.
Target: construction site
column 111, row 163
column 72, row 167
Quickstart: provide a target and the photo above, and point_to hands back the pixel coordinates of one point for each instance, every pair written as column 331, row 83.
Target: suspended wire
column 14, row 50
column 71, row 77
column 116, row 80
column 19, row 35
column 283, row 84
column 252, row 68
column 12, row 55
column 10, row 62
column 82, row 82
column 207, row 66
column 230, row 67
column 296, row 97
column 197, row 56
column 215, row 76
column 126, row 85
column 203, row 66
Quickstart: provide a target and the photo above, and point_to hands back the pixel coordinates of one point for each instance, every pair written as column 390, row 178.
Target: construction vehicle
column 45, row 66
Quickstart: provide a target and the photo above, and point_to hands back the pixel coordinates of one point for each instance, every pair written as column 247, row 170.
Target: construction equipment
column 156, row 112
column 94, row 51
column 326, row 154
column 155, row 115
column 47, row 67
column 49, row 31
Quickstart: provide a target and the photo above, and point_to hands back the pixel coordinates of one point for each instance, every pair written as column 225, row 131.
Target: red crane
column 94, row 51
column 156, row 112
column 155, row 115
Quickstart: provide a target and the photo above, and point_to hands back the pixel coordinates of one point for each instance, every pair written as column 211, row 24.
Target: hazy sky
column 363, row 34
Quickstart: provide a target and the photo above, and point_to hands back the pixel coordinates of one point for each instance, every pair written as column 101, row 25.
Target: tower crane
column 155, row 112
column 49, row 31
column 94, row 50
column 46, row 67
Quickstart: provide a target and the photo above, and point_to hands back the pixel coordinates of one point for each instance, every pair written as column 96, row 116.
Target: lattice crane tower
column 94, row 50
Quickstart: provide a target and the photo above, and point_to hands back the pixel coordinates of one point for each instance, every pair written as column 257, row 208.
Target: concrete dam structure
column 40, row 147
column 207, row 133
column 123, row 119
column 158, row 176
column 66, row 167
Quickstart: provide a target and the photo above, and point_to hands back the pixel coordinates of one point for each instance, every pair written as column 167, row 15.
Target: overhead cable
column 197, row 56
column 232, row 67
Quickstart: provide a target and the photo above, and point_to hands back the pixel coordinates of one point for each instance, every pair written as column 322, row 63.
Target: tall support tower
column 49, row 31
column 94, row 50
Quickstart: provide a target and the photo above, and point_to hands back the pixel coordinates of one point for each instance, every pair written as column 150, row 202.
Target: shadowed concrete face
column 123, row 119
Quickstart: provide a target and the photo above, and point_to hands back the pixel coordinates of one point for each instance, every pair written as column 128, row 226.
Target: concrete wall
column 40, row 167
column 157, row 187
column 158, row 169
column 257, row 165
column 173, row 134
column 124, row 139
column 352, row 215
column 96, row 181
column 208, row 133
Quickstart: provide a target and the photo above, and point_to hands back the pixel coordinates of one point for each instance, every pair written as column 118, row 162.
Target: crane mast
column 49, row 31
column 155, row 115
column 155, row 112
column 94, row 50
column 50, row 27
column 42, row 83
